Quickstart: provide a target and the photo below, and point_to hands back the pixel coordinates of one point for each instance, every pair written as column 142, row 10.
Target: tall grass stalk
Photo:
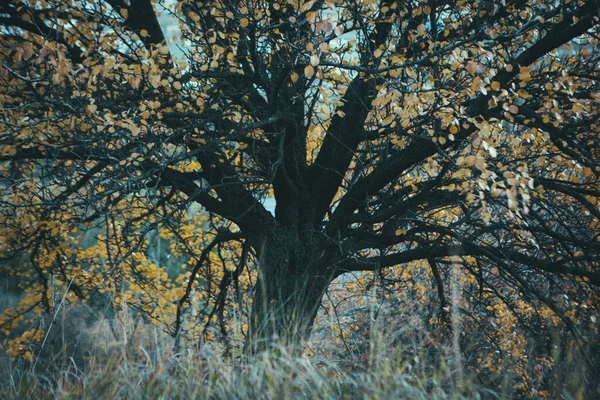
column 127, row 371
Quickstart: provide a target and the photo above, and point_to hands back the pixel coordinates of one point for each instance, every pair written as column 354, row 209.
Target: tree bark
column 287, row 296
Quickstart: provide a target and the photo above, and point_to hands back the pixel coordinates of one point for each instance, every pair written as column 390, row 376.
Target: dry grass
column 207, row 375
column 142, row 366
column 129, row 359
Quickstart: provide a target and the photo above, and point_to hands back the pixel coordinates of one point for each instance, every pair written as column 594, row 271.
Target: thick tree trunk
column 287, row 296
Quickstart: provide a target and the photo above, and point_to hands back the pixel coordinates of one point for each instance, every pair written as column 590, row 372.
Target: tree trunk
column 287, row 296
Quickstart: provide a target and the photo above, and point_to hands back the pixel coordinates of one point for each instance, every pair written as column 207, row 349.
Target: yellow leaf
column 307, row 6
column 309, row 71
column 525, row 76
column 314, row 60
column 294, row 77
column 496, row 85
column 244, row 22
column 124, row 13
column 472, row 67
column 454, row 129
column 135, row 130
column 144, row 33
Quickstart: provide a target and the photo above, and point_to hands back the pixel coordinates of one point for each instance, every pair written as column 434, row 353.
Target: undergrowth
column 206, row 374
column 145, row 367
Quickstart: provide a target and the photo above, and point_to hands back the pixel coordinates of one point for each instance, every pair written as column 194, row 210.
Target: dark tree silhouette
column 387, row 132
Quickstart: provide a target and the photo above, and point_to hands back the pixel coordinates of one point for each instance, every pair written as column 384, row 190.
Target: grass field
column 126, row 359
column 144, row 367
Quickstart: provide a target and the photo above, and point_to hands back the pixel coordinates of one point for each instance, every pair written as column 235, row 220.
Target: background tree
column 452, row 137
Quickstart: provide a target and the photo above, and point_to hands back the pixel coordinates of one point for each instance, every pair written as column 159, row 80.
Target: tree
column 447, row 134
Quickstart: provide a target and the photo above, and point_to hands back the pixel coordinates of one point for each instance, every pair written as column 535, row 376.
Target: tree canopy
column 433, row 144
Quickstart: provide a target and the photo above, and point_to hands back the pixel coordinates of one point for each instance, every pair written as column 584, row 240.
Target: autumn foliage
column 280, row 162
